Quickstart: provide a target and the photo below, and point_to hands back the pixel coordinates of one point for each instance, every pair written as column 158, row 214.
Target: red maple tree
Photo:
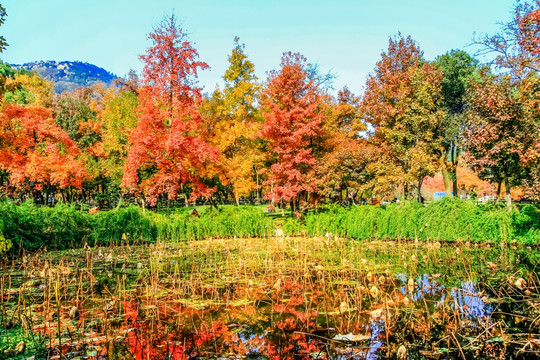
column 292, row 108
column 166, row 154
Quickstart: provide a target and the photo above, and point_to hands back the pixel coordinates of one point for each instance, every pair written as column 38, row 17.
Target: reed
column 206, row 296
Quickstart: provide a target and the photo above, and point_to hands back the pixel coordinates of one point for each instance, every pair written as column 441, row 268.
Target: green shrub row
column 31, row 227
column 446, row 220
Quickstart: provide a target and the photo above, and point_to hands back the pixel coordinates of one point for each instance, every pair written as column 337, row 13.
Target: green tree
column 3, row 14
column 457, row 67
column 77, row 114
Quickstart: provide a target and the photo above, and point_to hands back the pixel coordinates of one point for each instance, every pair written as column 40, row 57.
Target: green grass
column 34, row 344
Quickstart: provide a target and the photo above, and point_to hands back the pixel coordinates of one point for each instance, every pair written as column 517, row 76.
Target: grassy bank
column 445, row 220
column 31, row 227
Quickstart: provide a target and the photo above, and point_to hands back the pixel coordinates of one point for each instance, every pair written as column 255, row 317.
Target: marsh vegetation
column 274, row 298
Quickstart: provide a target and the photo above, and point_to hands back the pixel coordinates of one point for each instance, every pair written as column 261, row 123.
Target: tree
column 77, row 114
column 457, row 67
column 343, row 114
column 119, row 118
column 293, row 112
column 402, row 103
column 3, row 14
column 345, row 167
column 234, row 122
column 516, row 55
column 498, row 133
column 528, row 94
column 25, row 87
column 515, row 48
column 166, row 154
column 35, row 153
column 342, row 155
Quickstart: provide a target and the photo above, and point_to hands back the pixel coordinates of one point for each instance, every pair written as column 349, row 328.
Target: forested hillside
column 69, row 75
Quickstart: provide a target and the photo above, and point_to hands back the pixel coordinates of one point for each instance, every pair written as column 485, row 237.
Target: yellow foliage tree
column 119, row 118
column 26, row 87
column 233, row 123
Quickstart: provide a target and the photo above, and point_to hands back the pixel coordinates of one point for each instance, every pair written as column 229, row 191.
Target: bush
column 5, row 244
column 449, row 219
column 129, row 223
column 31, row 227
column 222, row 222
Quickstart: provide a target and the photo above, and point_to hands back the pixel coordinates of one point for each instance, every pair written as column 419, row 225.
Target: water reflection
column 285, row 331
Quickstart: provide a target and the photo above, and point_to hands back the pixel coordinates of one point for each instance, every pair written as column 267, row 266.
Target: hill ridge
column 68, row 75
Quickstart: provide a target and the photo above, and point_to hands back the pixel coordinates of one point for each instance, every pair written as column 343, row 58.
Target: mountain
column 69, row 75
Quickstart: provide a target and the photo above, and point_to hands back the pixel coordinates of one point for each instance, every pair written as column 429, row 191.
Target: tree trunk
column 405, row 190
column 453, row 168
column 508, row 188
column 445, row 172
column 446, row 180
column 257, row 177
column 236, row 198
column 419, row 194
column 499, row 185
column 454, row 185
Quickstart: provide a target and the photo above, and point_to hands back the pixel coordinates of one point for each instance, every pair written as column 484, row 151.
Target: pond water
column 274, row 298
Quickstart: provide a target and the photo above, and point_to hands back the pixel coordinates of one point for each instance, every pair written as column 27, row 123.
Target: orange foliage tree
column 342, row 153
column 36, row 153
column 516, row 55
column 166, row 154
column 499, row 133
column 293, row 111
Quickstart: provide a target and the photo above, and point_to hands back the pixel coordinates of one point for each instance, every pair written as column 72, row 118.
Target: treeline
column 157, row 138
column 29, row 227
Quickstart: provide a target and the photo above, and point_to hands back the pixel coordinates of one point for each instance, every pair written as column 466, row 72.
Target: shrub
column 449, row 219
column 113, row 225
column 31, row 227
column 5, row 244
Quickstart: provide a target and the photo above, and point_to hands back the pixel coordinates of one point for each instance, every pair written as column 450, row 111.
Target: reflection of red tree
column 149, row 342
column 295, row 346
column 151, row 339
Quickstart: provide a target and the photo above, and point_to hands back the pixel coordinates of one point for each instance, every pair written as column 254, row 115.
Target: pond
column 274, row 298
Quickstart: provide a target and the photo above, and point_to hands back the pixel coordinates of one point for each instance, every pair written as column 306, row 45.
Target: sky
column 345, row 37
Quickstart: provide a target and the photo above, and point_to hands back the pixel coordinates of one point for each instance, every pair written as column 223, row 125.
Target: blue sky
column 345, row 37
